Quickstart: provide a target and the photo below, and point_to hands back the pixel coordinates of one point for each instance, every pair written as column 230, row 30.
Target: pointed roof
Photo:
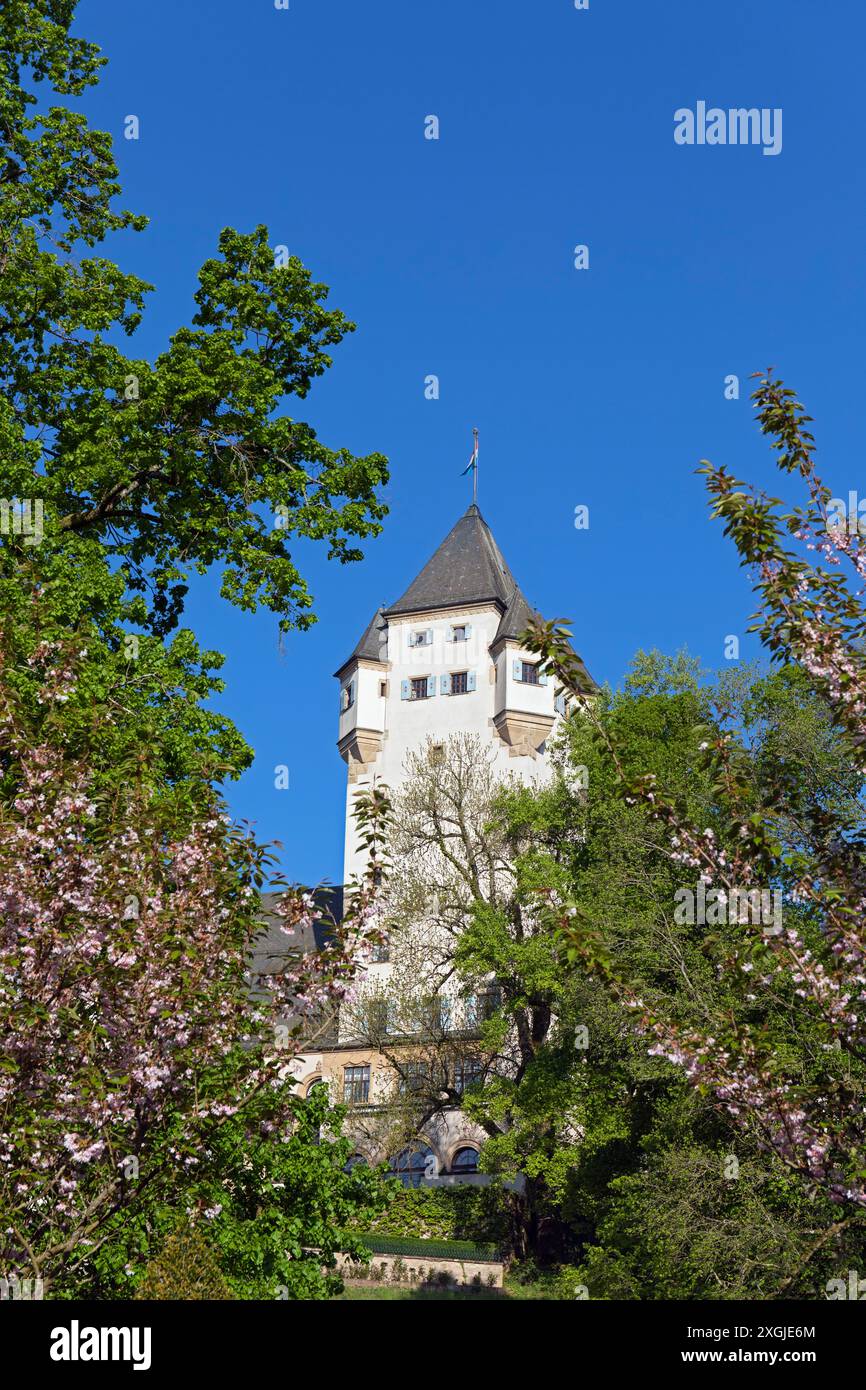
column 468, row 567
column 516, row 617
column 372, row 642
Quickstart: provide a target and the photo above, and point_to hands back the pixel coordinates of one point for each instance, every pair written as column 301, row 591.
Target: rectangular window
column 467, row 1070
column 432, row 1015
column 421, row 639
column 383, row 689
column 530, row 673
column 482, row 1006
column 356, row 1085
column 458, row 634
column 415, row 1077
column 459, row 682
column 378, row 1017
column 419, row 686
column 489, row 1000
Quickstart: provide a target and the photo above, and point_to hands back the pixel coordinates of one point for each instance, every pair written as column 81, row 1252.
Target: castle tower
column 444, row 659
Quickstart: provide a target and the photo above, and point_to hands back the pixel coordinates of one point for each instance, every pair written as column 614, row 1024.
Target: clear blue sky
column 456, row 258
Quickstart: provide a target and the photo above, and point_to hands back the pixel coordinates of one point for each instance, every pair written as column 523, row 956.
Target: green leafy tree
column 133, row 473
column 778, row 1045
column 185, row 1269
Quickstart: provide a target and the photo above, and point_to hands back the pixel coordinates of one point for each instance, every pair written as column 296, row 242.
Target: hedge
column 445, row 1213
column 431, row 1249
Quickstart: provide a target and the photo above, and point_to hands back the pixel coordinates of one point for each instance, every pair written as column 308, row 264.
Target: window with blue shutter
column 542, row 678
column 517, row 669
column 470, row 680
column 445, row 685
column 431, row 686
column 404, row 690
column 559, row 704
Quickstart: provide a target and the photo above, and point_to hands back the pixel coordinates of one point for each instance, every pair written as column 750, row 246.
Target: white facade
column 445, row 659
column 382, row 724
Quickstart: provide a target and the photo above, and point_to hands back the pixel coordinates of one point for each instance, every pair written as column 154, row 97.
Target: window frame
column 362, row 1083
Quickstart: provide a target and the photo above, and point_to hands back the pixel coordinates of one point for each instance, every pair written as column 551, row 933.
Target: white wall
column 407, row 723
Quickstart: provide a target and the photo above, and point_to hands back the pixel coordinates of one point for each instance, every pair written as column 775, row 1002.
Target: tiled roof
column 373, row 643
column 468, row 567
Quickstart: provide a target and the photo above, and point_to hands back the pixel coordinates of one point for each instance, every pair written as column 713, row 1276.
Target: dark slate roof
column 373, row 643
column 468, row 567
column 274, row 950
column 516, row 617
column 273, row 947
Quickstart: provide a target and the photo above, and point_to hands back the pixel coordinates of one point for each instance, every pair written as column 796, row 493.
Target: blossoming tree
column 809, row 1111
column 140, row 1080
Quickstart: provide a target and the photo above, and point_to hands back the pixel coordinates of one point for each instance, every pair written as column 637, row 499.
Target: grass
column 360, row 1293
column 356, row 1291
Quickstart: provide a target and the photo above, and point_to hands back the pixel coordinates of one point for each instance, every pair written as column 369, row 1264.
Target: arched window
column 355, row 1161
column 465, row 1160
column 316, row 1081
column 410, row 1165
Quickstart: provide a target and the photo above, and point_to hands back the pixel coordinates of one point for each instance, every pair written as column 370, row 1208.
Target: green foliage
column 624, row 1164
column 461, row 1212
column 185, row 1269
column 433, row 1249
column 274, row 1200
column 165, row 466
column 150, row 471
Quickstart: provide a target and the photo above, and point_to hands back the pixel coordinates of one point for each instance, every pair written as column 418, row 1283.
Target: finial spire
column 473, row 465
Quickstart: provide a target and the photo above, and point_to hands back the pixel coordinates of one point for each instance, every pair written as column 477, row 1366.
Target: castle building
column 444, row 659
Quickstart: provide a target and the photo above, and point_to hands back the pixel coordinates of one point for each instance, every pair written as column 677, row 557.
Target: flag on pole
column 473, row 462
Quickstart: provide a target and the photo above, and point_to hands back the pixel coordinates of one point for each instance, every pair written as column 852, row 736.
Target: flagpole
column 475, row 470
